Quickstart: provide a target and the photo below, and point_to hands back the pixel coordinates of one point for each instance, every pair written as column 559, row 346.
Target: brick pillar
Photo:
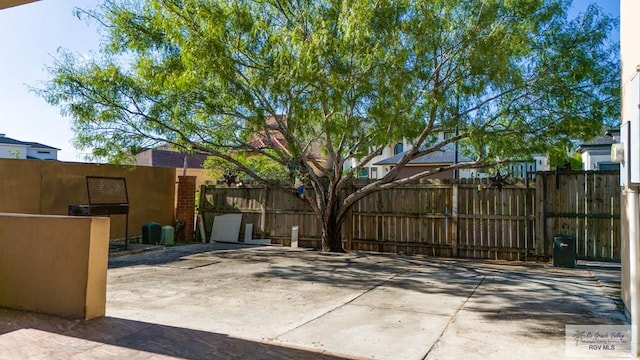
column 185, row 209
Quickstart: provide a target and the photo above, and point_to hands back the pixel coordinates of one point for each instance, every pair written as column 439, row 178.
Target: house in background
column 522, row 170
column 430, row 161
column 16, row 149
column 380, row 165
column 168, row 157
column 596, row 154
column 374, row 171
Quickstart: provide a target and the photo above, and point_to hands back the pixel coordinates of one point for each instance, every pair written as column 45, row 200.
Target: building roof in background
column 437, row 157
column 599, row 142
column 174, row 159
column 36, row 145
column 9, row 141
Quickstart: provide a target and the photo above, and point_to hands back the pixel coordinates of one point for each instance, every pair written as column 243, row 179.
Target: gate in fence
column 585, row 205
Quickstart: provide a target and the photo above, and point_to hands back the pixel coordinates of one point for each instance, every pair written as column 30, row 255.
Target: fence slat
column 448, row 219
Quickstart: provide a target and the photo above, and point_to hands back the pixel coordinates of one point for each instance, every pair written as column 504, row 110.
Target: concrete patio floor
column 224, row 301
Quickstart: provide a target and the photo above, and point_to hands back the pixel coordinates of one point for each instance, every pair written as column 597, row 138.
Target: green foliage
column 263, row 166
column 14, row 154
column 559, row 157
column 347, row 77
column 575, row 162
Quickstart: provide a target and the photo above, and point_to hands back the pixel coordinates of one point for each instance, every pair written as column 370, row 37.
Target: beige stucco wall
column 49, row 187
column 54, row 264
column 20, row 186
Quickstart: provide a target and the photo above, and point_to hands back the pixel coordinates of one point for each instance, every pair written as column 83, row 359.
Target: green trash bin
column 564, row 251
column 167, row 235
column 151, row 233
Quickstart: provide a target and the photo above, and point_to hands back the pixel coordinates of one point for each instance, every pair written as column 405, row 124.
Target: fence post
column 454, row 220
column 264, row 198
column 541, row 219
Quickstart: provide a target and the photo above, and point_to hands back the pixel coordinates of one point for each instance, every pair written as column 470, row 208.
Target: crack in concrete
column 453, row 317
column 343, row 304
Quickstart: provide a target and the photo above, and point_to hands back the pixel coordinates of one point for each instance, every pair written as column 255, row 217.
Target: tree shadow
column 536, row 297
column 172, row 254
column 541, row 298
column 57, row 337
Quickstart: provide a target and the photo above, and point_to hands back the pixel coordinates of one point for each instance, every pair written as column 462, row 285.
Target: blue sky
column 29, row 38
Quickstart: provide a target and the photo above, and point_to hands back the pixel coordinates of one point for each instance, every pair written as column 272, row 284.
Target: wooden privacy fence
column 458, row 220
column 443, row 218
column 585, row 205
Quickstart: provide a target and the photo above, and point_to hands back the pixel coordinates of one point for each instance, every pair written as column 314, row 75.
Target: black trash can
column 564, row 251
column 151, row 233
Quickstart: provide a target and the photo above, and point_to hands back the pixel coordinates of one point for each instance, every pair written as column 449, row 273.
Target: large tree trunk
column 332, row 234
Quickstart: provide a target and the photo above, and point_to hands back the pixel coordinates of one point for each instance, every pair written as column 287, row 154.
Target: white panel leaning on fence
column 226, row 228
column 248, row 237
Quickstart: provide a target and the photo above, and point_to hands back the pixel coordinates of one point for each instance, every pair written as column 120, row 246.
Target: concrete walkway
column 217, row 301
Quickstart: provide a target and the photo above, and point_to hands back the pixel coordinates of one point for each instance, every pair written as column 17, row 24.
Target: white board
column 294, row 236
column 226, row 228
column 203, row 236
column 258, row 241
column 248, row 233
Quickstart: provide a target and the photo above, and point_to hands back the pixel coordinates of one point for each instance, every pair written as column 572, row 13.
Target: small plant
column 14, row 154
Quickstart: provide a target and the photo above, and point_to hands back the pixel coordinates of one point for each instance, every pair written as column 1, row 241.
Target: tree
column 339, row 80
column 263, row 166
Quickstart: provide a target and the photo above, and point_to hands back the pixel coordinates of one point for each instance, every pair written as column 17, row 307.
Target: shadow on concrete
column 541, row 298
column 170, row 254
column 526, row 293
column 59, row 338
